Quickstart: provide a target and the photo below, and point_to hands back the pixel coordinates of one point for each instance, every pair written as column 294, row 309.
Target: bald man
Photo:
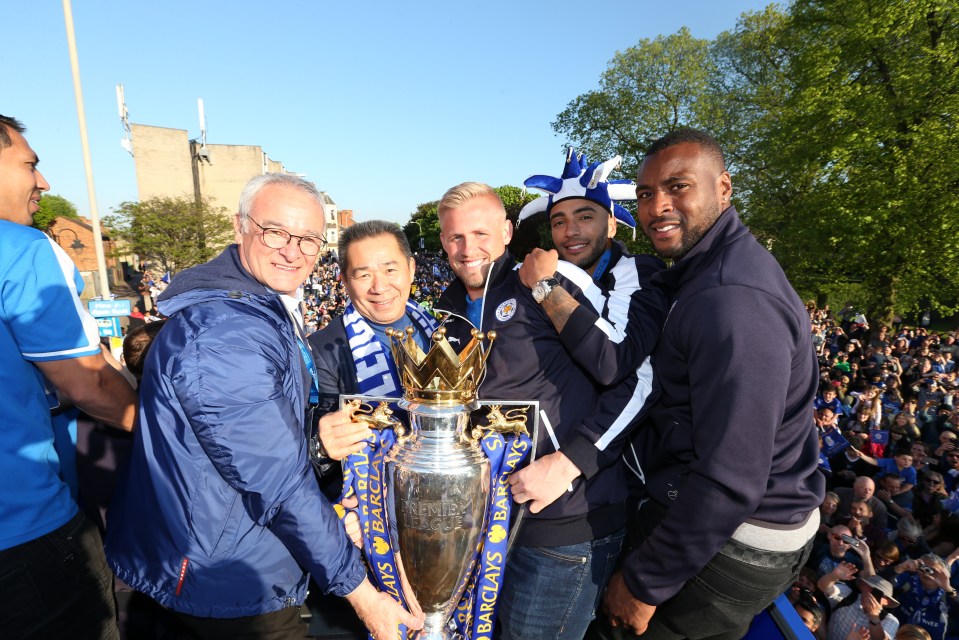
column 862, row 489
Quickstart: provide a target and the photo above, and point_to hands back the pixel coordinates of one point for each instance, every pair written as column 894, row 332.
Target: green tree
column 866, row 146
column 838, row 118
column 424, row 223
column 52, row 207
column 173, row 233
column 646, row 91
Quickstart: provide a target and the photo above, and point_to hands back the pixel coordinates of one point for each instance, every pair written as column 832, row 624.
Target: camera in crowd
column 851, row 541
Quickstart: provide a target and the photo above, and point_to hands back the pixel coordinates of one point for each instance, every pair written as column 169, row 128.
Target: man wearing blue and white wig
column 612, row 339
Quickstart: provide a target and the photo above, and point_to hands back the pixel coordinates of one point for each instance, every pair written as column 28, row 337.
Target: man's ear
column 725, row 188
column 237, row 229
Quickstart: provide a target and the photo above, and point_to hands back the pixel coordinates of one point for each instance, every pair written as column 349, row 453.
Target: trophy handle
column 511, row 421
column 379, row 418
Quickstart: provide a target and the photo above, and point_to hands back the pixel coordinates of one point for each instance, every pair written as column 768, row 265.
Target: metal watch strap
column 543, row 288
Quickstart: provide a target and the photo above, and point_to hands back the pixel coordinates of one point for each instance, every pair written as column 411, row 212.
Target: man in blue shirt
column 54, row 581
column 924, row 592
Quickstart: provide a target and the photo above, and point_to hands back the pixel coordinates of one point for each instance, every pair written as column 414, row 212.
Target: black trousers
column 721, row 600
column 285, row 624
column 58, row 586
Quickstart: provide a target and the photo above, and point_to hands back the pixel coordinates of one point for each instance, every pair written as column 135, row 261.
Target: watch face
column 539, row 292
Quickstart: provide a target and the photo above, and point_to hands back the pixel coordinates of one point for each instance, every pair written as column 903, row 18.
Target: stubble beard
column 692, row 235
column 586, row 262
column 475, row 280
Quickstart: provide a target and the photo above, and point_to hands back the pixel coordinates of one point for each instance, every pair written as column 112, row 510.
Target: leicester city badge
column 506, row 310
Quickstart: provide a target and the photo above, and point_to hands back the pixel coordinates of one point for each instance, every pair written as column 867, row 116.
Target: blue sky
column 384, row 105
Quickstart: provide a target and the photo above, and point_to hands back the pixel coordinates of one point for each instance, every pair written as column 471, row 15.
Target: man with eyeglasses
column 221, row 519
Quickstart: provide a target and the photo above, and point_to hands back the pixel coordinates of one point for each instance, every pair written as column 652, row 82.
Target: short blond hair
column 912, row 632
column 464, row 192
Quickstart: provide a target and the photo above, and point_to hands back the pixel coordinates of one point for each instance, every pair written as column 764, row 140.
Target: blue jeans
column 553, row 592
column 58, row 586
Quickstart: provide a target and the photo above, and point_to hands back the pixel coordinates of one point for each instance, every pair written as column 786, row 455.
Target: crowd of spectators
column 884, row 562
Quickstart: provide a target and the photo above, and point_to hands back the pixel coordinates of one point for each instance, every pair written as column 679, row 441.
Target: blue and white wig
column 582, row 180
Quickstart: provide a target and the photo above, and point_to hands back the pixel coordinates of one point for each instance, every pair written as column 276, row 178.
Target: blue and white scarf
column 376, row 373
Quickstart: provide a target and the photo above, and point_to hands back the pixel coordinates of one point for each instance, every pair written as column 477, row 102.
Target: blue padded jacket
column 220, row 515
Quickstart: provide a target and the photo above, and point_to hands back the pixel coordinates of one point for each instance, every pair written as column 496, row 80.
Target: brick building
column 75, row 237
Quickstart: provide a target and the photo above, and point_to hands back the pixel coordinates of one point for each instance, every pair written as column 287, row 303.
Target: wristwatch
column 542, row 288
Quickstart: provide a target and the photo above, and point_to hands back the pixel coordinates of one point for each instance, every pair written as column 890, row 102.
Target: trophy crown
column 440, row 376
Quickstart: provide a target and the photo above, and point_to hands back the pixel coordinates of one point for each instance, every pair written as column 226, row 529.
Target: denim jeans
column 58, row 586
column 553, row 592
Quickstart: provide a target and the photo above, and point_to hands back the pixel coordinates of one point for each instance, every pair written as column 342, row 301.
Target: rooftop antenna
column 202, row 153
column 125, row 141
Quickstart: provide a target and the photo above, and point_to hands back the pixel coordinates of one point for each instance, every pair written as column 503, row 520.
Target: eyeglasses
column 279, row 238
column 932, row 482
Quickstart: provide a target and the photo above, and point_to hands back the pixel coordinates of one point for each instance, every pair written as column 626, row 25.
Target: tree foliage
column 869, row 134
column 173, row 233
column 838, row 118
column 52, row 207
column 424, row 224
column 645, row 92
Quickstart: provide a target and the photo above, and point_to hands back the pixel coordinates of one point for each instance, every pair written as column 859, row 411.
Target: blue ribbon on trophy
column 476, row 610
column 433, row 499
column 363, row 477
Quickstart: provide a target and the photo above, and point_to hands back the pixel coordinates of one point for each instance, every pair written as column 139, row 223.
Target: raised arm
column 609, row 333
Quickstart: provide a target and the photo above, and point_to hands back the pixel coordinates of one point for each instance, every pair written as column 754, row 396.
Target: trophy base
column 442, row 634
column 436, row 627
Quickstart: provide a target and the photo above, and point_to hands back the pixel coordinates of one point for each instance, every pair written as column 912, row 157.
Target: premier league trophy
column 434, row 501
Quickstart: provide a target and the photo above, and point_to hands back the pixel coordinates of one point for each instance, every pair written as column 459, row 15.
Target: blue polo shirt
column 888, row 466
column 41, row 319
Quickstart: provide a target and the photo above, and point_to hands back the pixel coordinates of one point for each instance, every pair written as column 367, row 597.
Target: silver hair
column 909, row 528
column 933, row 558
column 253, row 187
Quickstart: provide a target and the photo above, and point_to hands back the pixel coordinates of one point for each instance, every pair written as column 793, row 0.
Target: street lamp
column 77, row 244
column 420, row 229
